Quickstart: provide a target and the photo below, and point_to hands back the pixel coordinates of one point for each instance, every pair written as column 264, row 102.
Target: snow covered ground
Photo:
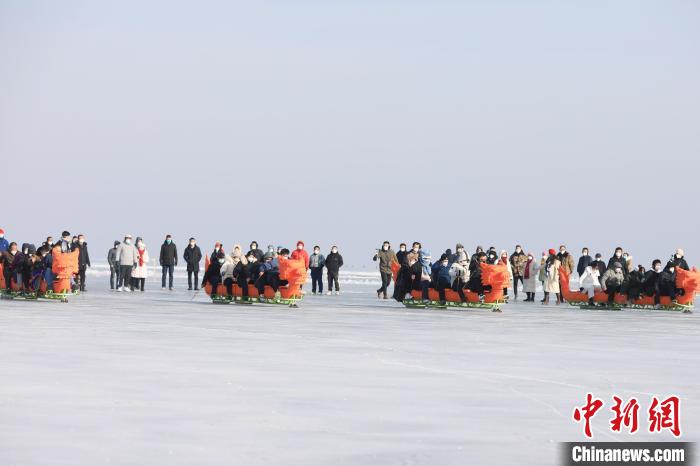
column 168, row 378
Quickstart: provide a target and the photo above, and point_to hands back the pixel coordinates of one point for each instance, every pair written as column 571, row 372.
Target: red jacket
column 301, row 254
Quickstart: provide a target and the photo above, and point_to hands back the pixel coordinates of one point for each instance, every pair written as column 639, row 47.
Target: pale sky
column 492, row 123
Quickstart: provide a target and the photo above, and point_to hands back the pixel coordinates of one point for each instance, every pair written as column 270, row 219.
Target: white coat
column 530, row 284
column 141, row 272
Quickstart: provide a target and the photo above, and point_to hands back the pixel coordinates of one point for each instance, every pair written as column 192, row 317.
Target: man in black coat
column 583, row 261
column 83, row 260
column 168, row 260
column 334, row 261
column 192, row 256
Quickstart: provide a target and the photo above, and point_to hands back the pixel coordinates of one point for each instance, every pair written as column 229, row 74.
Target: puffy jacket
column 517, row 263
column 567, row 261
column 317, row 261
column 443, row 274
column 192, row 256
column 589, row 277
column 127, row 254
column 612, row 278
column 227, row 269
column 678, row 262
column 112, row 257
column 168, row 254
column 83, row 255
column 301, row 254
column 334, row 262
column 583, row 262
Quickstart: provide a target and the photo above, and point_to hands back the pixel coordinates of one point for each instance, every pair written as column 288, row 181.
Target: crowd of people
column 460, row 271
column 28, row 266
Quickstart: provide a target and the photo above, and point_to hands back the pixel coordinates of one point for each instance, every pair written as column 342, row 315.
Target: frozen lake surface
column 168, row 378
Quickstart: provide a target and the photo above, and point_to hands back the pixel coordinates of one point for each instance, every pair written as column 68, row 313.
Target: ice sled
column 493, row 277
column 686, row 280
column 292, row 270
column 64, row 267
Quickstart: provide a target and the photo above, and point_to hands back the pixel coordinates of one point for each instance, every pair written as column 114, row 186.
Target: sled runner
column 493, row 278
column 688, row 281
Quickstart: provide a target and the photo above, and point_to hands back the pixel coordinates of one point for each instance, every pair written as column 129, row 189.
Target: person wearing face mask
column 633, row 285
column 213, row 273
column 49, row 242
column 192, row 256
column 530, row 270
column 474, row 262
column 217, row 247
column 678, row 260
column 474, row 284
column 300, row 253
column 492, row 256
column 28, row 250
column 653, row 284
column 83, row 260
column 517, row 263
column 38, row 268
column 589, row 282
column 140, row 272
column 4, row 245
column 542, row 274
column 167, row 261
column 401, row 253
column 612, row 280
column 551, row 283
column 316, row 263
column 617, row 257
column 443, row 280
column 65, row 242
column 460, row 254
column 566, row 259
column 599, row 263
column 583, row 261
column 504, row 261
column 12, row 263
column 386, row 257
column 127, row 256
column 74, row 243
column 258, row 253
column 113, row 266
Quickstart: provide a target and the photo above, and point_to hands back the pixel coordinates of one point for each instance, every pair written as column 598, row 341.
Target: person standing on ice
column 517, row 263
column 300, row 253
column 4, row 245
column 127, row 256
column 386, row 257
column 83, row 260
column 316, row 263
column 192, row 256
column 140, row 272
column 401, row 253
column 65, row 242
column 530, row 278
column 167, row 261
column 113, row 266
column 334, row 261
column 583, row 261
column 566, row 259
column 551, row 283
column 504, row 260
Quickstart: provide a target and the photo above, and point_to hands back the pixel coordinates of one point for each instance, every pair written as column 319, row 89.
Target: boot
column 546, row 298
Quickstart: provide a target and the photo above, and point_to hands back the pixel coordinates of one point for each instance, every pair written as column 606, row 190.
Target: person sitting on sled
column 611, row 282
column 12, row 261
column 659, row 282
column 459, row 273
column 633, row 286
column 226, row 272
column 213, row 273
column 677, row 260
column 474, row 283
column 38, row 268
column 590, row 282
column 240, row 272
column 443, row 280
column 425, row 273
column 267, row 274
column 28, row 250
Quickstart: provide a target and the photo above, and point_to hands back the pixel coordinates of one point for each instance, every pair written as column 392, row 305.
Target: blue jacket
column 424, row 257
column 4, row 245
column 317, row 261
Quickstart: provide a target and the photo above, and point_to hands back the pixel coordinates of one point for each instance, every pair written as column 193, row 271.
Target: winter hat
column 117, row 243
column 270, row 247
column 443, row 257
column 268, row 255
column 459, row 245
column 300, row 243
column 617, row 265
column 424, row 253
column 679, row 251
column 2, row 232
column 217, row 245
column 552, row 252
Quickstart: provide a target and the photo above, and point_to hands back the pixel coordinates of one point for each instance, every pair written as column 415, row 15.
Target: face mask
column 2, row 236
column 168, row 241
column 139, row 245
column 518, row 250
column 671, row 269
column 402, row 249
column 216, row 249
column 192, row 244
column 562, row 251
column 657, row 268
column 618, row 254
column 50, row 243
column 415, row 249
column 618, row 270
column 81, row 241
column 678, row 256
column 316, row 251
column 334, row 251
column 529, row 258
column 385, row 247
column 127, row 241
column 625, row 256
column 221, row 261
column 253, row 247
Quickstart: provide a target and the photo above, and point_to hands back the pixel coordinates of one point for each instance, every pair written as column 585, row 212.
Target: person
column 48, row 243
column 401, row 253
column 633, row 286
column 667, row 282
column 192, row 257
column 300, row 253
column 12, row 261
column 65, row 241
column 48, row 265
column 551, row 284
column 25, row 269
column 83, row 261
column 167, row 261
column 589, row 282
column 583, row 262
column 617, row 257
column 612, row 280
column 474, row 284
column 74, row 243
column 226, row 272
column 504, row 261
column 565, row 259
column 240, row 272
column 113, row 266
column 424, row 260
column 678, row 260
column 269, row 273
column 443, row 280
column 258, row 253
column 213, row 273
column 542, row 274
column 252, row 272
column 492, row 256
column 386, row 257
column 316, row 263
column 600, row 264
column 4, row 245
column 217, row 247
column 140, row 272
column 530, row 278
column 474, row 263
column 38, row 268
column 659, row 282
column 459, row 273
column 127, row 256
column 517, row 264
column 334, row 261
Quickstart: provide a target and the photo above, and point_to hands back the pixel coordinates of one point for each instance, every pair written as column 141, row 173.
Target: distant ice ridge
column 346, row 276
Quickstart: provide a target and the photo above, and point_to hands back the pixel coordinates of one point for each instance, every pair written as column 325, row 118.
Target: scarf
column 527, row 268
column 141, row 253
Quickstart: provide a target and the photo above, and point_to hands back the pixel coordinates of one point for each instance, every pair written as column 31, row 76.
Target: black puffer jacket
column 192, row 257
column 168, row 254
column 334, row 261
